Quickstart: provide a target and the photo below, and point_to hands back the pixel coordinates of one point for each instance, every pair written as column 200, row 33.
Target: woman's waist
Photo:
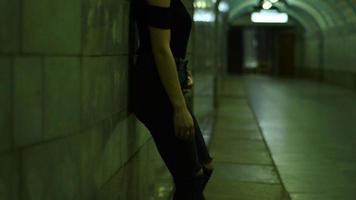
column 148, row 53
column 149, row 60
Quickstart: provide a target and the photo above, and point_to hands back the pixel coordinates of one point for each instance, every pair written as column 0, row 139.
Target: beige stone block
column 121, row 84
column 105, row 28
column 64, row 168
column 28, row 104
column 9, row 177
column 51, row 27
column 5, row 104
column 97, row 89
column 61, row 96
column 9, row 28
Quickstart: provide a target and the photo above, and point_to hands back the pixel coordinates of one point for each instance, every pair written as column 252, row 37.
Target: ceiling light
column 269, row 16
column 223, row 6
column 201, row 15
column 266, row 5
column 273, row 1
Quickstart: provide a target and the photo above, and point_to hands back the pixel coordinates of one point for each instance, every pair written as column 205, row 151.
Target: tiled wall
column 66, row 131
column 208, row 63
column 331, row 57
column 204, row 62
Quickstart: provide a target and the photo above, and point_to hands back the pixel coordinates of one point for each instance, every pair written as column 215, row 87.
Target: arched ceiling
column 312, row 14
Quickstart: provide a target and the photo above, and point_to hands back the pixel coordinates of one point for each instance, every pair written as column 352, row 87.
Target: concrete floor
column 243, row 166
column 310, row 132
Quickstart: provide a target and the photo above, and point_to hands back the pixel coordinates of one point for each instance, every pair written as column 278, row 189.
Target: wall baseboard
column 344, row 79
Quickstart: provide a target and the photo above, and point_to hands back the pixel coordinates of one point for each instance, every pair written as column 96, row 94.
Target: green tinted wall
column 66, row 131
column 325, row 49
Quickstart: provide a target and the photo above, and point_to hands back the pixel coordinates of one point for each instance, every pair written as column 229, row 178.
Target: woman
column 158, row 101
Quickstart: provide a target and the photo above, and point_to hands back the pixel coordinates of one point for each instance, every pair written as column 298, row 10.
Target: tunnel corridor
column 274, row 94
column 278, row 138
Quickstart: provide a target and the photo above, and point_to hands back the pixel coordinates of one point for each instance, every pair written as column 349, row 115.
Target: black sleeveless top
column 180, row 25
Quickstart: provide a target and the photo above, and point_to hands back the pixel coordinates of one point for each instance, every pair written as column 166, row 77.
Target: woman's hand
column 183, row 124
column 189, row 84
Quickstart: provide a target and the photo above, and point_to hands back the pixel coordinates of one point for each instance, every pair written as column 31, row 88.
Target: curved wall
column 328, row 41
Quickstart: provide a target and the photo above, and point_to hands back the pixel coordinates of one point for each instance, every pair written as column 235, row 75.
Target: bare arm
column 160, row 40
column 166, row 67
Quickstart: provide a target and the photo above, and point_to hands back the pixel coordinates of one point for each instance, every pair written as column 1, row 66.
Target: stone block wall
column 66, row 131
column 330, row 58
column 309, row 57
column 206, row 62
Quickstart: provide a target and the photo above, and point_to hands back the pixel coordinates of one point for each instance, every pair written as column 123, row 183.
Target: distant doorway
column 235, row 49
column 262, row 49
column 286, row 52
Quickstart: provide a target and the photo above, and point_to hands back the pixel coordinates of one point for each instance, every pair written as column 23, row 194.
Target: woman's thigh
column 180, row 156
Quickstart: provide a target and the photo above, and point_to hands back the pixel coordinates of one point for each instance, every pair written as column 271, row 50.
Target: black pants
column 183, row 158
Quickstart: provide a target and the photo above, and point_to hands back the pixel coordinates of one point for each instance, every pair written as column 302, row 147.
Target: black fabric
column 180, row 25
column 182, row 72
column 153, row 108
column 208, row 173
column 183, row 158
column 159, row 17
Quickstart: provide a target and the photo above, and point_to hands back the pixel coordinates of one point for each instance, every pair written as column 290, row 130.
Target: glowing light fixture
column 200, row 4
column 223, row 6
column 269, row 16
column 273, row 1
column 204, row 3
column 267, row 5
column 201, row 15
